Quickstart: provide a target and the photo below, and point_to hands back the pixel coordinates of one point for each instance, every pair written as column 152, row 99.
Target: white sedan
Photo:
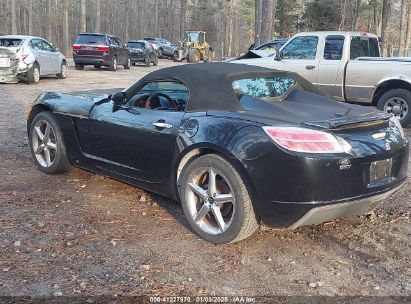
column 29, row 58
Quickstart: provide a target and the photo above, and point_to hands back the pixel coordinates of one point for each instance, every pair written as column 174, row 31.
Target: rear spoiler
column 349, row 122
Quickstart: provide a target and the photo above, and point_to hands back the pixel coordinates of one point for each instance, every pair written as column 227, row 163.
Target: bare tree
column 65, row 27
column 386, row 8
column 13, row 17
column 98, row 16
column 266, row 21
column 30, row 13
column 83, row 27
column 403, row 27
column 183, row 13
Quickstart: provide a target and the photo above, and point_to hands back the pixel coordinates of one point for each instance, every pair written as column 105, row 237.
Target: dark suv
column 142, row 51
column 100, row 50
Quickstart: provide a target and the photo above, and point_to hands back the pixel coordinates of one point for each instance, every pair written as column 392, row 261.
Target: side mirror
column 278, row 55
column 118, row 99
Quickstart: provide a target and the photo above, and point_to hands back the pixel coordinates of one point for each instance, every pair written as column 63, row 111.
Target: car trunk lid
column 9, row 63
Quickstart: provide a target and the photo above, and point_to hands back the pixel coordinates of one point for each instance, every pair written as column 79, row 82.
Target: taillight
column 76, row 47
column 103, row 48
column 23, row 57
column 307, row 140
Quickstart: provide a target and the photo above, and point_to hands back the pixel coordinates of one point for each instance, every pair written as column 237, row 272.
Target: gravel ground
column 82, row 234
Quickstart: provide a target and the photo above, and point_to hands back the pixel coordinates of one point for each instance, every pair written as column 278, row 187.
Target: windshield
column 192, row 36
column 91, row 39
column 135, row 45
column 269, row 89
column 10, row 42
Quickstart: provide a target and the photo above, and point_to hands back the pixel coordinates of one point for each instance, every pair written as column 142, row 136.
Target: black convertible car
column 236, row 144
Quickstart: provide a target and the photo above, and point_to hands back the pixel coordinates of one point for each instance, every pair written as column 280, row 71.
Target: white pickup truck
column 348, row 66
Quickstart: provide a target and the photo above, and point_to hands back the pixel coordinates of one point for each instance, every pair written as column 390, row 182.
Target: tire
column 33, row 75
column 237, row 218
column 79, row 67
column 58, row 161
column 194, row 56
column 209, row 56
column 175, row 57
column 113, row 66
column 160, row 53
column 147, row 61
column 127, row 66
column 63, row 71
column 397, row 102
column 97, row 66
column 155, row 62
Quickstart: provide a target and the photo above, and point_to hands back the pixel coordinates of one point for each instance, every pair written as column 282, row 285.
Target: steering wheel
column 172, row 102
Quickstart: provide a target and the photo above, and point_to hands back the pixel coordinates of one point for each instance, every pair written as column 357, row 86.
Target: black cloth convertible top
column 210, row 84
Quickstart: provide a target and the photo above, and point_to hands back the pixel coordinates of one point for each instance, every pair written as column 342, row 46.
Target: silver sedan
column 29, row 58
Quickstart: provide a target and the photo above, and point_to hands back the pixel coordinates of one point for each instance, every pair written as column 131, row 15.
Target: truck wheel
column 398, row 103
column 79, row 67
column 209, row 56
column 215, row 200
column 147, row 61
column 155, row 62
column 33, row 75
column 194, row 56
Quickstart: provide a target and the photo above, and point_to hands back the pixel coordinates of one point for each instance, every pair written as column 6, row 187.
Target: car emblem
column 344, row 164
column 387, row 146
column 379, row 136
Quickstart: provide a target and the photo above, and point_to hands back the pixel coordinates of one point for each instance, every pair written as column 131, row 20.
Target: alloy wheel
column 44, row 143
column 396, row 106
column 36, row 74
column 210, row 200
column 64, row 71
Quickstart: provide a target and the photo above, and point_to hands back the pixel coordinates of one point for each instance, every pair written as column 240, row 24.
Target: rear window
column 270, row 89
column 10, row 42
column 364, row 47
column 149, row 39
column 91, row 39
column 136, row 45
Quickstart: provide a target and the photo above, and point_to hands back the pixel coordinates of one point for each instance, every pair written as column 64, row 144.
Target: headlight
column 395, row 123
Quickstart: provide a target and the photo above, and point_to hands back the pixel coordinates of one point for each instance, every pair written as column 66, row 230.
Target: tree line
column 231, row 25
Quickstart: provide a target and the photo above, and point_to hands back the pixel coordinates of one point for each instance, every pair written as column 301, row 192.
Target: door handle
column 310, row 67
column 162, row 125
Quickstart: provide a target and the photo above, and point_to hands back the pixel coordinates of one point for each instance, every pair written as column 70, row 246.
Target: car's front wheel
column 47, row 145
column 127, row 66
column 33, row 75
column 216, row 201
column 113, row 66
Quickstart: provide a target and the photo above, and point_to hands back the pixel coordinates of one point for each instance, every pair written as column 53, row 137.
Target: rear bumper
column 331, row 211
column 92, row 61
column 138, row 58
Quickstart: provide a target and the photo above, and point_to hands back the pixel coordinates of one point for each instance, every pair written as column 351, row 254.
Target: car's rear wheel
column 147, row 61
column 97, row 66
column 127, row 66
column 398, row 103
column 47, row 145
column 79, row 67
column 113, row 66
column 155, row 62
column 160, row 53
column 33, row 75
column 216, row 201
column 63, row 71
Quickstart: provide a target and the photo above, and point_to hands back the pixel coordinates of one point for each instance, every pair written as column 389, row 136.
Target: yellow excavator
column 194, row 48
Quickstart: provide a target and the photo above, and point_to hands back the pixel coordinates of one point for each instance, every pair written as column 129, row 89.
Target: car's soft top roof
column 210, row 84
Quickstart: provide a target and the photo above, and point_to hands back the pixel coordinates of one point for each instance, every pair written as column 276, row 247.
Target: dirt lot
column 84, row 234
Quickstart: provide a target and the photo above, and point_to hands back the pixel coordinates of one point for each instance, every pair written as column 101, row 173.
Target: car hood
column 74, row 103
column 252, row 54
